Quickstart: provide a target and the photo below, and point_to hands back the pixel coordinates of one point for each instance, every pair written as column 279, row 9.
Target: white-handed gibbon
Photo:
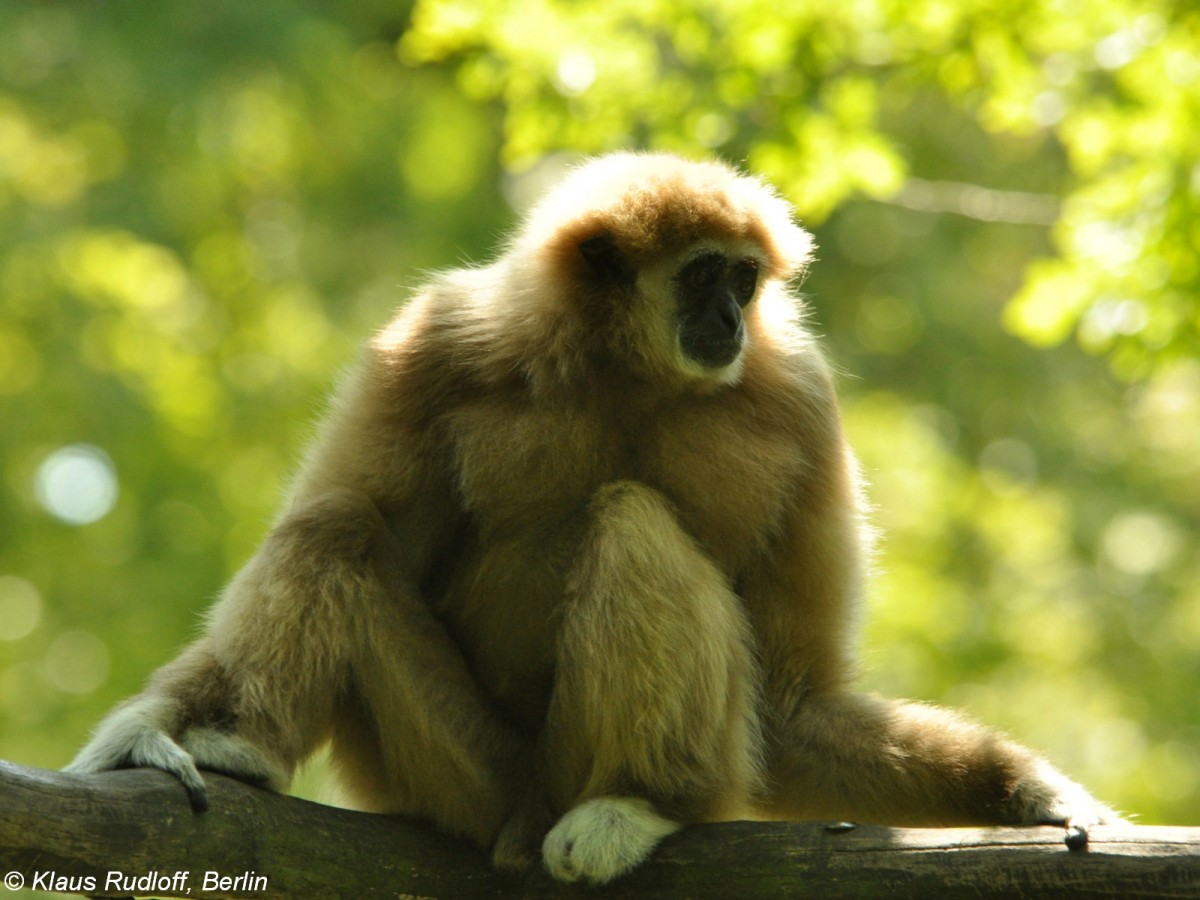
column 576, row 560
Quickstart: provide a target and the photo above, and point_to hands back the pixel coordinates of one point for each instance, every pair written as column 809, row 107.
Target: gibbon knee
column 322, row 563
column 656, row 684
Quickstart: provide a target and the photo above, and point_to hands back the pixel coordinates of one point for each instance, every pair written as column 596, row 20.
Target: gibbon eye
column 745, row 280
column 704, row 272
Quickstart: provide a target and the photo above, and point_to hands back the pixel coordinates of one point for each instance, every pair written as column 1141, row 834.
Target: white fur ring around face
column 603, row 838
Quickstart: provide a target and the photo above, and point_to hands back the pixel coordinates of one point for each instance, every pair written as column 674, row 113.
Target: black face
column 711, row 291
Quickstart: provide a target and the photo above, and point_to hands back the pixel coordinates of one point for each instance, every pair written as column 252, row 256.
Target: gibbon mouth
column 713, row 351
column 714, row 354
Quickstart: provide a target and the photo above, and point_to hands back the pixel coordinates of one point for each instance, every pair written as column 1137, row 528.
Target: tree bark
column 134, row 833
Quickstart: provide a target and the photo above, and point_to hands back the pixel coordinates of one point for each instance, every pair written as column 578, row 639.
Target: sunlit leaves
column 714, row 75
column 118, row 269
column 794, row 90
column 54, row 169
column 1126, row 242
column 1046, row 310
column 200, row 218
column 441, row 161
column 1125, row 279
column 258, row 132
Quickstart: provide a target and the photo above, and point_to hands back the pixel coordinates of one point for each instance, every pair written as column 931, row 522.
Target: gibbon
column 576, row 560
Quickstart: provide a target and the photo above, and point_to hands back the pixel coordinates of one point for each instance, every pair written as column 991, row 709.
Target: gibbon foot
column 1050, row 798
column 603, row 838
column 132, row 738
column 516, row 847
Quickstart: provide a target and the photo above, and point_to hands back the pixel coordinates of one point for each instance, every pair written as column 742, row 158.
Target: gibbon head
column 664, row 262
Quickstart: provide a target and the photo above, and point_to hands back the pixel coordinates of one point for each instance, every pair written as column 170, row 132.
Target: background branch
column 139, row 822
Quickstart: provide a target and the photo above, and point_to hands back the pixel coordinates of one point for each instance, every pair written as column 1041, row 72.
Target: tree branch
column 56, row 827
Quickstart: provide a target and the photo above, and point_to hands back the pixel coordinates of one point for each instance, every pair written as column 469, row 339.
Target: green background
column 206, row 207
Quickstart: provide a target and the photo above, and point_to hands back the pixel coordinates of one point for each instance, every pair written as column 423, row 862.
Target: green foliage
column 810, row 95
column 201, row 215
column 204, row 209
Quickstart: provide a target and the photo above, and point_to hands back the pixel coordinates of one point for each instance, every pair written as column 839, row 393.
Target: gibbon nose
column 729, row 315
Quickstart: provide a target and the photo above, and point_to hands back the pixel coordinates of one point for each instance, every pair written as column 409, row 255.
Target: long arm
column 835, row 754
column 324, row 635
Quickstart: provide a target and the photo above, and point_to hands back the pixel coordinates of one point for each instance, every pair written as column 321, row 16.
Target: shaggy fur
column 539, row 565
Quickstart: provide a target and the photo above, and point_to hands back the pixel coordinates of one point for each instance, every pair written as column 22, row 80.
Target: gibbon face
column 667, row 263
column 699, row 300
column 711, row 290
column 711, row 293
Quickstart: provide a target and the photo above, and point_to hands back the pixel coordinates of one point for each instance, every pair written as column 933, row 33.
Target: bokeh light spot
column 1140, row 542
column 77, row 484
column 76, row 662
column 20, row 608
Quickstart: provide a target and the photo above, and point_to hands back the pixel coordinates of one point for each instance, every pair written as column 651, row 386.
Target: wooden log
column 134, row 833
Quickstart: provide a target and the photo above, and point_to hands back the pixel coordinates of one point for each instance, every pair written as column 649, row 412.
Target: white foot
column 136, row 735
column 603, row 838
column 1050, row 798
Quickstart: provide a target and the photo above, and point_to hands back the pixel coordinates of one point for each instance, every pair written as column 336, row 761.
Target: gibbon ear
column 605, row 259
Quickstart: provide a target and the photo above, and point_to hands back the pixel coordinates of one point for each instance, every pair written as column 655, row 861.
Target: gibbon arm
column 324, row 635
column 834, row 754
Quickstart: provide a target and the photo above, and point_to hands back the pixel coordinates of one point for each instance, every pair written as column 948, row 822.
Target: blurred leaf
column 203, row 211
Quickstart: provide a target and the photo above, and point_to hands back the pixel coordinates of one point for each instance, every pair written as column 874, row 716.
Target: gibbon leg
column 869, row 759
column 320, row 636
column 652, row 720
column 370, row 667
column 446, row 755
column 255, row 694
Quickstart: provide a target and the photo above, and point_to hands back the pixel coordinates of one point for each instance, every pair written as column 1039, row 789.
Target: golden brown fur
column 543, row 565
